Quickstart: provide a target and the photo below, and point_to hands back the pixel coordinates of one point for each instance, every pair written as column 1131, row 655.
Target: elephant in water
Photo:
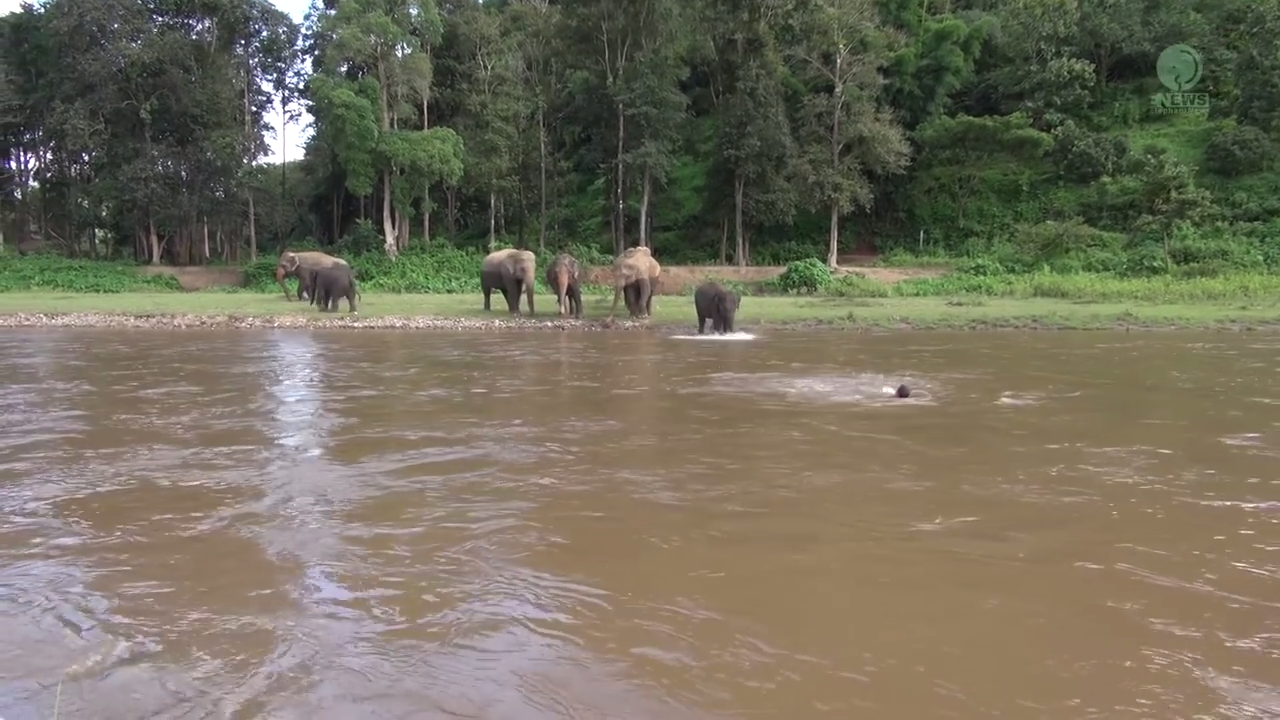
column 713, row 302
column 298, row 264
column 511, row 272
column 329, row 285
column 563, row 277
column 635, row 273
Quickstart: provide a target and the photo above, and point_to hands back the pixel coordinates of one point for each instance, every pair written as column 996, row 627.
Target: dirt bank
column 676, row 279
column 682, row 279
column 197, row 277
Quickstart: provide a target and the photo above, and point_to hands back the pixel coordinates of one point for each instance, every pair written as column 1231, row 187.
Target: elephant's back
column 316, row 260
column 496, row 258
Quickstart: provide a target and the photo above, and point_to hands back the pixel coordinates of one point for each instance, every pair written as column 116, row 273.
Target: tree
column 847, row 135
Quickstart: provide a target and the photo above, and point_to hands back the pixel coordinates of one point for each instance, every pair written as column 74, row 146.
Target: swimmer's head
column 904, row 391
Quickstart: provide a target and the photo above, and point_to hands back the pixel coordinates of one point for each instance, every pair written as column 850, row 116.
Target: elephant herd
column 326, row 279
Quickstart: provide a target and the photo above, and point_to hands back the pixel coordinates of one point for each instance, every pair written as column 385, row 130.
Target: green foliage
column 803, row 276
column 1235, row 151
column 51, row 272
column 1016, row 136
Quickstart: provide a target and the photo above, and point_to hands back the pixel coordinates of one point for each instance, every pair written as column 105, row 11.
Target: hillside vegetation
column 1012, row 136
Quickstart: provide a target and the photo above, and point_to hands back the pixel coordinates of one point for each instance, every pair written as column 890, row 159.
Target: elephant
column 332, row 284
column 636, row 273
column 296, row 264
column 511, row 272
column 717, row 304
column 562, row 276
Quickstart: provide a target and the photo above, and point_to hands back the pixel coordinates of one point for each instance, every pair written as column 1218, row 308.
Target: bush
column 1234, row 151
column 803, row 276
column 59, row 274
column 1083, row 156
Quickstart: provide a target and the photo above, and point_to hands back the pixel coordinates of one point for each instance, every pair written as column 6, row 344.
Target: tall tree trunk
column 833, row 236
column 493, row 218
column 619, row 222
column 426, row 187
column 645, row 183
column 388, row 221
column 724, row 241
column 451, row 211
column 284, row 162
column 739, row 190
column 542, row 179
column 248, row 188
column 93, row 229
column 833, row 251
column 206, row 239
column 337, row 216
column 520, row 240
column 153, row 240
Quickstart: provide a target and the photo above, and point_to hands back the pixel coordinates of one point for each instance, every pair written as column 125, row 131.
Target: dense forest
column 1019, row 132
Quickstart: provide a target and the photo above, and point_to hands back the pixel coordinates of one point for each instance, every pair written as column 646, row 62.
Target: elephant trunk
column 280, row 276
column 561, row 286
column 528, row 291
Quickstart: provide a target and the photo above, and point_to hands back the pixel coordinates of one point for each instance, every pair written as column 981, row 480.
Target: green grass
column 894, row 312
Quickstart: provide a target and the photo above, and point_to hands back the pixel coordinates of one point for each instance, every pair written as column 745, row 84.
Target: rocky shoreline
column 181, row 321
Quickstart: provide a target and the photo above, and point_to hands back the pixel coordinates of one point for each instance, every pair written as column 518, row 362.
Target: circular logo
column 1179, row 67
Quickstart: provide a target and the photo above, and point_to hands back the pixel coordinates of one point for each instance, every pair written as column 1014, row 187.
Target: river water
column 295, row 524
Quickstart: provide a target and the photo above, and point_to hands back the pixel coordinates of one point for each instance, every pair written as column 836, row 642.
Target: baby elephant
column 562, row 276
column 329, row 285
column 717, row 304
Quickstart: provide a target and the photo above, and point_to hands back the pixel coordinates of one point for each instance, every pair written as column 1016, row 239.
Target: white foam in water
column 713, row 336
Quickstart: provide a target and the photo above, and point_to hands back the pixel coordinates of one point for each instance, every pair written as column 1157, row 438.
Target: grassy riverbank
column 398, row 310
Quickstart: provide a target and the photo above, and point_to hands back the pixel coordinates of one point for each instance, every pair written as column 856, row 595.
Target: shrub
column 56, row 273
column 1083, row 156
column 1234, row 151
column 803, row 276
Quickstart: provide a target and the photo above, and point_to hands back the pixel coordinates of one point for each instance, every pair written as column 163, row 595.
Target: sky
column 297, row 131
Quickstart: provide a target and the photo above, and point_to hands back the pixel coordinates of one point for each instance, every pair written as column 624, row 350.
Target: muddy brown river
column 349, row 525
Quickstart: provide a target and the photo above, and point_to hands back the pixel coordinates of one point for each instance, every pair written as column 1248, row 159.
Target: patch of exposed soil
column 682, row 279
column 891, row 275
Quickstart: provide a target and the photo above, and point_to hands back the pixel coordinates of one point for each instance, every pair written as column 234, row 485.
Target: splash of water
column 713, row 336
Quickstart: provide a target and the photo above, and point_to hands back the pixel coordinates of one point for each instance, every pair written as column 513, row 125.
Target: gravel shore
column 317, row 322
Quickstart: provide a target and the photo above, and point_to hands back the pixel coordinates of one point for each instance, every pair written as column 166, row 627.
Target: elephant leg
column 528, row 291
column 632, row 293
column 351, row 299
column 575, row 302
column 702, row 324
column 486, row 289
column 644, row 295
column 512, row 292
